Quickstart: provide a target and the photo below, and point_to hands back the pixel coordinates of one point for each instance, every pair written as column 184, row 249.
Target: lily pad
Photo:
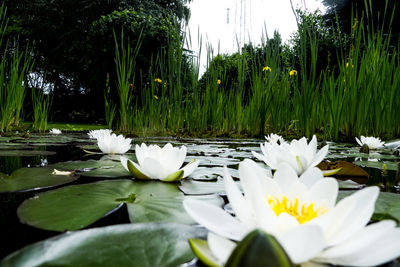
column 387, row 205
column 145, row 245
column 77, row 206
column 25, row 153
column 32, row 179
column 211, row 173
column 391, row 166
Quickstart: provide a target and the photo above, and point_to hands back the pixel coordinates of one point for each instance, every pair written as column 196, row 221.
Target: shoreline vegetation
column 294, row 90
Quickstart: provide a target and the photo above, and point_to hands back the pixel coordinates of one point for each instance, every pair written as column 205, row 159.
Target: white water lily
column 275, row 139
column 159, row 163
column 94, row 134
column 370, row 141
column 113, row 144
column 55, row 131
column 299, row 154
column 302, row 214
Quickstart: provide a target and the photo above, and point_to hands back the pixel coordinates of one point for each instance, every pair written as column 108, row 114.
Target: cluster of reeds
column 359, row 96
column 15, row 64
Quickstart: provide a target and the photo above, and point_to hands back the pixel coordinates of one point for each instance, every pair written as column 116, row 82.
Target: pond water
column 48, row 151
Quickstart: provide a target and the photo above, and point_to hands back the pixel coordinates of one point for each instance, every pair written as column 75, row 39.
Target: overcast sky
column 224, row 23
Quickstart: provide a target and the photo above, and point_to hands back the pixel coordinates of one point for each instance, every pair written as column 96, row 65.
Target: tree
column 73, row 41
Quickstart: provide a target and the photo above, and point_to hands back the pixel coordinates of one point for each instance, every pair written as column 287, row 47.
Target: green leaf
column 77, row 206
column 259, row 249
column 25, row 153
column 174, row 177
column 342, row 168
column 202, row 251
column 33, row 179
column 136, row 173
column 391, row 166
column 144, row 245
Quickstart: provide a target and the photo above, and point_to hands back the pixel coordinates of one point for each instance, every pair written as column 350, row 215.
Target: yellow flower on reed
column 157, row 80
column 156, row 97
column 266, row 68
column 219, row 81
column 293, row 72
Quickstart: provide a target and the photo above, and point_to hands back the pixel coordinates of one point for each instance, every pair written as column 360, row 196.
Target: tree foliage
column 73, row 41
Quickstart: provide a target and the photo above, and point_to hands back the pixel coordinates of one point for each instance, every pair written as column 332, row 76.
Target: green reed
column 41, row 103
column 15, row 64
column 358, row 96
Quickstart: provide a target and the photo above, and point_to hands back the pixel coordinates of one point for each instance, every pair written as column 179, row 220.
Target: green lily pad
column 391, row 166
column 387, row 205
column 211, row 173
column 144, row 245
column 32, row 179
column 25, row 153
column 77, row 206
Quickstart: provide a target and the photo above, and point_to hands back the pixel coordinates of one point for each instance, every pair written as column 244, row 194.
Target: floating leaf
column 346, row 168
column 25, row 153
column 32, row 179
column 144, row 245
column 77, row 206
column 190, row 187
column 392, row 166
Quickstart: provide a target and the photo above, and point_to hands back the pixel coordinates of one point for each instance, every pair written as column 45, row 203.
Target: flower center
column 303, row 213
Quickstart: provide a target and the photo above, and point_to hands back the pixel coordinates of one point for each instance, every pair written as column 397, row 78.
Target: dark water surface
column 213, row 153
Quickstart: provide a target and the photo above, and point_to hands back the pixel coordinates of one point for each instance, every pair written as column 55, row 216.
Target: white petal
column 361, row 207
column 258, row 155
column 221, row 247
column 139, row 151
column 320, row 156
column 311, row 176
column 154, row 169
column 124, row 162
column 374, row 245
column 285, row 176
column 302, row 243
column 324, row 192
column 190, row 167
column 243, row 210
column 359, row 142
column 215, row 219
column 286, row 221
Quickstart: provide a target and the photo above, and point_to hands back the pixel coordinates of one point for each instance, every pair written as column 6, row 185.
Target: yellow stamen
column 303, row 213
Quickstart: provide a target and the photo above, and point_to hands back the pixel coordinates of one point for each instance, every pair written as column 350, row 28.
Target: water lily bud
column 364, row 149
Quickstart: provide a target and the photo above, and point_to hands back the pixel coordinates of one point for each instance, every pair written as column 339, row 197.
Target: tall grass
column 41, row 103
column 358, row 96
column 15, row 64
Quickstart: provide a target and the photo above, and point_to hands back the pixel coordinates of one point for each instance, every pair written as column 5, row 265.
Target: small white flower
column 302, row 214
column 113, row 144
column 94, row 134
column 159, row 163
column 55, row 131
column 275, row 139
column 299, row 154
column 370, row 141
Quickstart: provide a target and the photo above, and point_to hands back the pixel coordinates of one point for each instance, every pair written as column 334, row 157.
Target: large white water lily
column 275, row 139
column 112, row 144
column 299, row 154
column 370, row 141
column 159, row 163
column 302, row 214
